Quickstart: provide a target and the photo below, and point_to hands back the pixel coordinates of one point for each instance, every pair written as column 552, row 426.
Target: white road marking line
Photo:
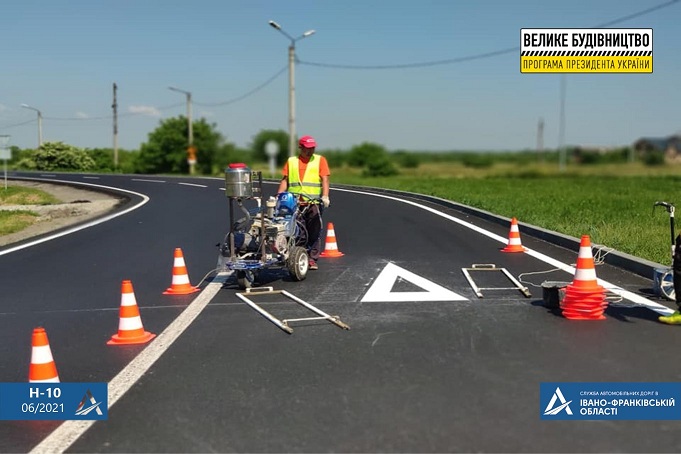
column 91, row 178
column 67, row 433
column 147, row 181
column 195, row 185
column 145, row 199
column 659, row 308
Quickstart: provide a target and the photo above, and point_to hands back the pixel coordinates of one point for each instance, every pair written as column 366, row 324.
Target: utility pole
column 292, row 148
column 540, row 139
column 114, row 106
column 191, row 149
column 40, row 123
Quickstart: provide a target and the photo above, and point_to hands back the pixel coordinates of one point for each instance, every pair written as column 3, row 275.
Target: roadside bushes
column 53, row 156
column 374, row 158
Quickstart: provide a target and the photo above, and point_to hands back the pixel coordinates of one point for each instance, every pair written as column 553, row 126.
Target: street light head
column 25, row 105
column 308, row 33
column 179, row 90
column 275, row 25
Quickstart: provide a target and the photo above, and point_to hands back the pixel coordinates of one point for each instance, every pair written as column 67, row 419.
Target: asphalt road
column 437, row 370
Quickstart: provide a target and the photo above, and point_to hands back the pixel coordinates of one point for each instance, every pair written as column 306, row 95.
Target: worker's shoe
column 673, row 319
column 313, row 265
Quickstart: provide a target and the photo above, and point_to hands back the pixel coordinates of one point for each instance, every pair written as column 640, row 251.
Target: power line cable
column 18, row 124
column 481, row 55
column 342, row 66
column 246, row 95
column 171, row 106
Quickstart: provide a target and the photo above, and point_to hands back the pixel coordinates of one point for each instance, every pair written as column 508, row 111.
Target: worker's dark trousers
column 313, row 223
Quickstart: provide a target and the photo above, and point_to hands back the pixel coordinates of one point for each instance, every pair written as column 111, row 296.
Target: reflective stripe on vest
column 311, row 185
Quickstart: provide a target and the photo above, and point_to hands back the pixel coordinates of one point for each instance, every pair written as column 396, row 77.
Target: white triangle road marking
column 380, row 290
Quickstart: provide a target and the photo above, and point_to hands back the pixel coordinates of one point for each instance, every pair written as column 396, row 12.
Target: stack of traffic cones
column 180, row 284
column 584, row 298
column 42, row 368
column 331, row 247
column 130, row 328
column 514, row 244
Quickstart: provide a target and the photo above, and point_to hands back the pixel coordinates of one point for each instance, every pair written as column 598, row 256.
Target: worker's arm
column 325, row 186
column 283, row 185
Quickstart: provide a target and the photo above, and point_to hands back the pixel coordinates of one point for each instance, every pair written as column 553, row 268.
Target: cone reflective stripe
column 585, row 274
column 42, row 368
column 514, row 244
column 331, row 247
column 180, row 284
column 130, row 328
column 584, row 297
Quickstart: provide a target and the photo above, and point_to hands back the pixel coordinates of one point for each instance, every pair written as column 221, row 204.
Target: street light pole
column 291, row 85
column 40, row 123
column 190, row 132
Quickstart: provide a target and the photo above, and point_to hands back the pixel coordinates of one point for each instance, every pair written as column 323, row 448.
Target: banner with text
column 615, row 401
column 586, row 50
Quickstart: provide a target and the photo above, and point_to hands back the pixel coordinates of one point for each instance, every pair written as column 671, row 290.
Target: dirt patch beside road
column 77, row 205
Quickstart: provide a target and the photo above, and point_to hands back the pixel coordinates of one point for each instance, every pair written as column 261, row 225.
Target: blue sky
column 62, row 57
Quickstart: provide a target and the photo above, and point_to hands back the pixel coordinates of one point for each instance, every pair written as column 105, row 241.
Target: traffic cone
column 331, row 248
column 180, row 284
column 130, row 328
column 514, row 244
column 42, row 368
column 584, row 297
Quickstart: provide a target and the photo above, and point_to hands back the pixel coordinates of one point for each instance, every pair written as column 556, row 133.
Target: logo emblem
column 553, row 409
column 82, row 410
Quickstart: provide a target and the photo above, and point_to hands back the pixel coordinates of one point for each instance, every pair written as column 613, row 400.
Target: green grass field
column 611, row 203
column 15, row 221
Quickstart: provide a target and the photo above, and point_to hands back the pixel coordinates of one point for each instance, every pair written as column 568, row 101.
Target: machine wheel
column 245, row 279
column 298, row 263
column 667, row 285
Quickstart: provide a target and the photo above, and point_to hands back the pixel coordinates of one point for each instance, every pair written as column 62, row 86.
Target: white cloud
column 145, row 110
column 82, row 115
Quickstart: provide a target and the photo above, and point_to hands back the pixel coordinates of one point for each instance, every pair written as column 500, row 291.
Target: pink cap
column 307, row 142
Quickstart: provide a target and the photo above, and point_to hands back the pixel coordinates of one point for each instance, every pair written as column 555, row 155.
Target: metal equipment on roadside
column 269, row 236
column 663, row 278
column 284, row 323
column 490, row 267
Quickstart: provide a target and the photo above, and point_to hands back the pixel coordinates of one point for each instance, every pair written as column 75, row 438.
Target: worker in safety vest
column 308, row 174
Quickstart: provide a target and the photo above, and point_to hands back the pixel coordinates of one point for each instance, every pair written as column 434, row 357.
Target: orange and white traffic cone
column 514, row 244
column 180, row 284
column 584, row 297
column 331, row 247
column 130, row 328
column 42, row 368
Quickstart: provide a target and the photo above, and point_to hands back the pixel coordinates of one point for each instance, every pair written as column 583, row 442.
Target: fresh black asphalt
column 415, row 376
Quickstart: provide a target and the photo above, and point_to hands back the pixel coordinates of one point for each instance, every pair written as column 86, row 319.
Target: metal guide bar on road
column 284, row 324
column 491, row 267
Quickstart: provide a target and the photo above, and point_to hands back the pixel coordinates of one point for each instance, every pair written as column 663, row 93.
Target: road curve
column 426, row 366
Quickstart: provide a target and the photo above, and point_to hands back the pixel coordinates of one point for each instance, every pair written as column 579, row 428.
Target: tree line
column 165, row 152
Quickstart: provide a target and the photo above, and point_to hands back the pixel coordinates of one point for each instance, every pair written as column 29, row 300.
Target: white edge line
column 145, row 199
column 68, row 432
column 659, row 308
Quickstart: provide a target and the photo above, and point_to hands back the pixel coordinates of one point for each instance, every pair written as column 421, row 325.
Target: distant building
column 670, row 147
